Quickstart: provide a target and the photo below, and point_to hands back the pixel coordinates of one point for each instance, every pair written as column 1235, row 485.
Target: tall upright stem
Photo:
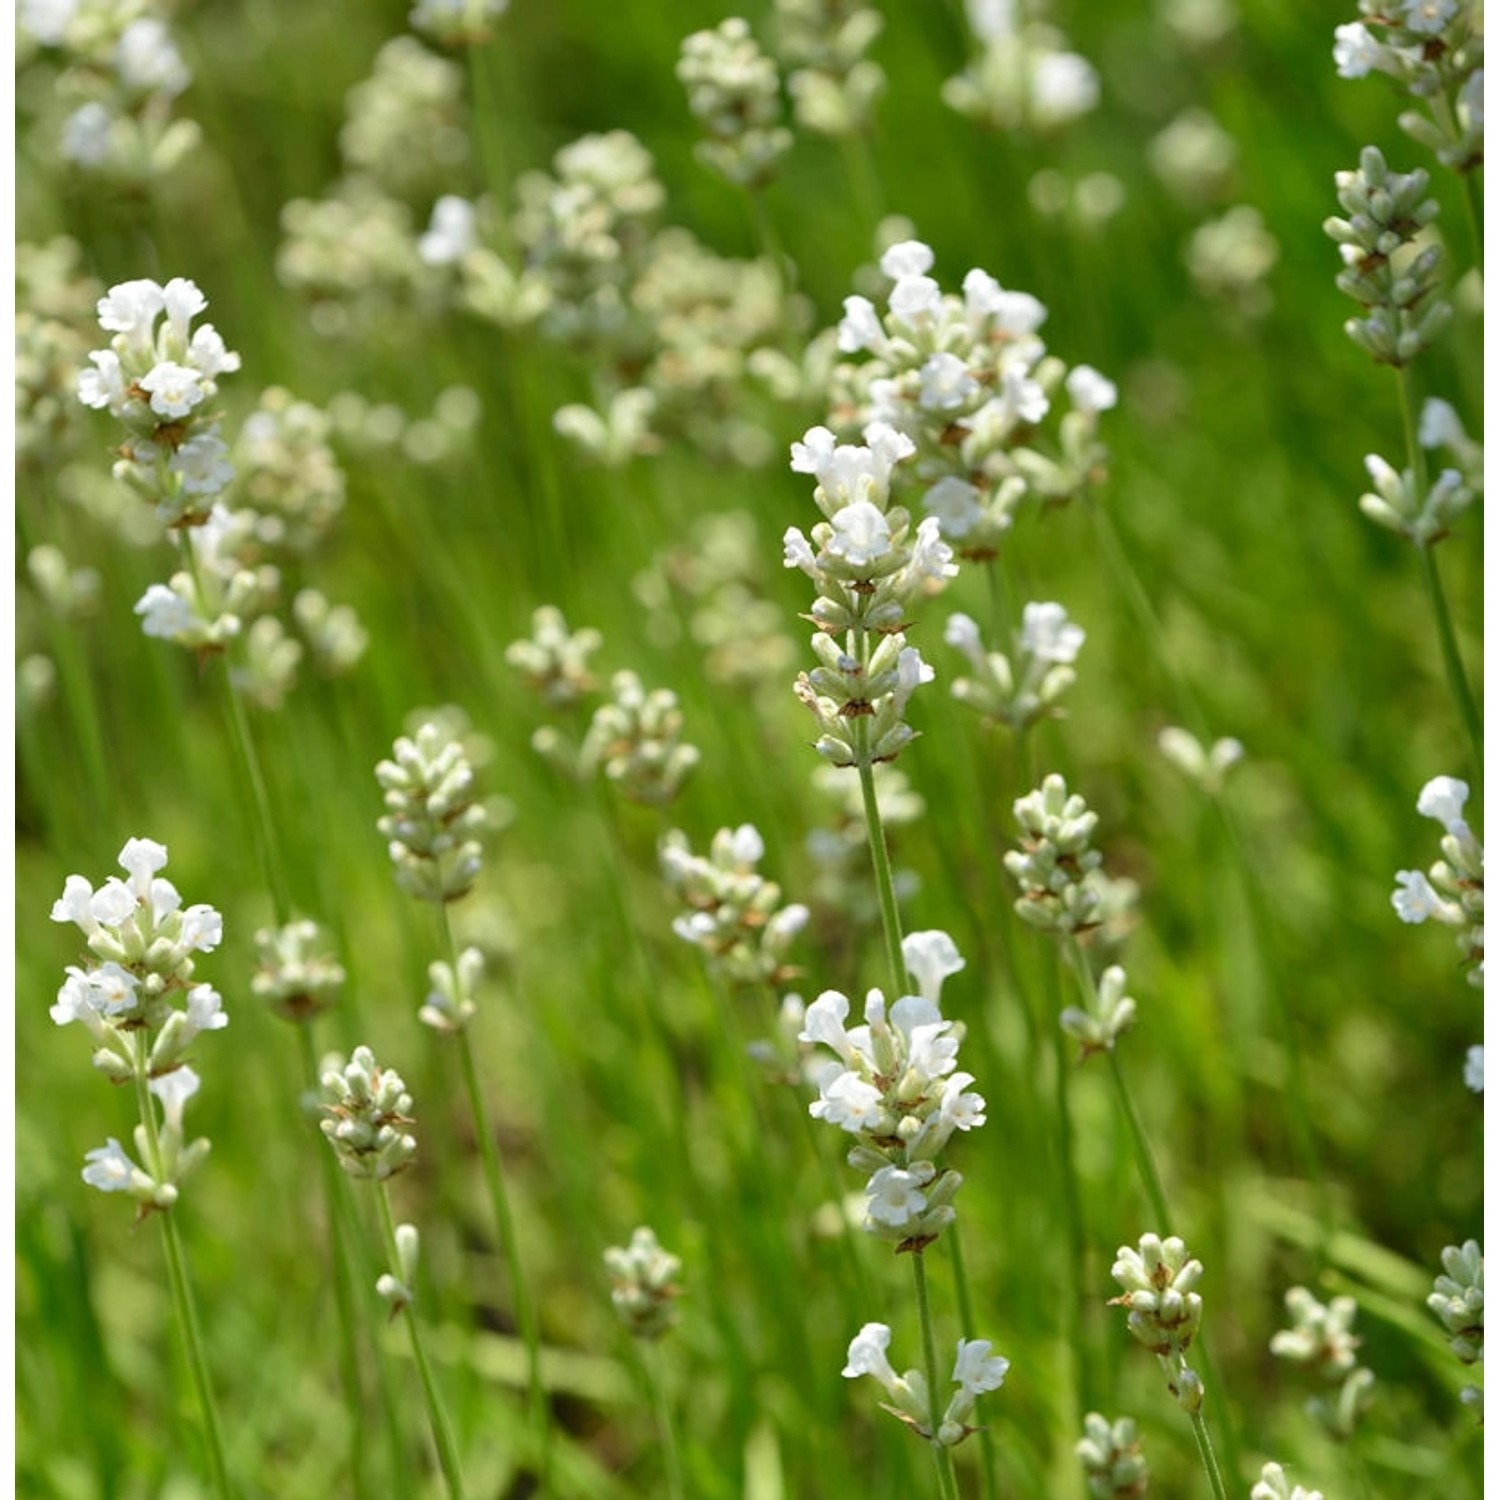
column 947, row 1483
column 666, row 1426
column 494, row 1182
column 1210, row 1459
column 437, row 1416
column 177, row 1277
column 1458, row 679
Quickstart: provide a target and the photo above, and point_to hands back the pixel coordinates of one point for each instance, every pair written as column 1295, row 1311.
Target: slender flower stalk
column 366, row 1120
column 141, row 941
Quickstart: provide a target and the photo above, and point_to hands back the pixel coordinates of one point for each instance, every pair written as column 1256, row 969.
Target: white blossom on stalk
column 1159, row 1280
column 1452, row 890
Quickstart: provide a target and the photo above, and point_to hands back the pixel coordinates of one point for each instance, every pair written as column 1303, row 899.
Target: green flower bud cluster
column 822, row 44
column 635, row 739
column 366, row 1110
column 1274, row 1485
column 992, row 416
column 1110, row 1452
column 1321, row 1338
column 1435, row 50
column 644, row 1278
column 734, row 914
column 1159, row 1280
column 1387, row 269
column 1458, row 1300
column 433, row 816
column 1056, row 860
column 735, row 95
column 295, row 975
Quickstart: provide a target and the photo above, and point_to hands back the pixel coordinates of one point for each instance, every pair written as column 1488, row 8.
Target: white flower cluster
column 1056, row 861
column 1020, row 689
column 969, row 382
column 822, row 44
column 644, row 1284
column 975, row 1372
column 294, row 974
column 1322, row 1339
column 1107, row 1016
column 1435, row 50
column 456, row 23
column 1423, row 511
column 1274, row 1485
column 1025, row 76
column 122, row 76
column 366, row 1111
column 143, row 941
column 159, row 378
column 1388, row 269
column 735, row 95
column 1159, row 1281
column 734, row 915
column 554, row 660
column 635, row 739
column 1452, row 891
column 433, row 817
column 868, row 566
column 1110, row 1453
column 896, row 1089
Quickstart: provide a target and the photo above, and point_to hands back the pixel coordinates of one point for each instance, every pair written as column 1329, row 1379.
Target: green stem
column 970, row 1327
column 859, row 164
column 666, row 1428
column 182, row 1292
column 525, row 1308
column 1475, row 213
column 442, row 1433
column 947, row 1483
column 1458, row 680
column 1206, row 1453
column 890, row 917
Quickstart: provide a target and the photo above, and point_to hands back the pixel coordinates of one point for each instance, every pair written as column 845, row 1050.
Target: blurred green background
column 1299, row 628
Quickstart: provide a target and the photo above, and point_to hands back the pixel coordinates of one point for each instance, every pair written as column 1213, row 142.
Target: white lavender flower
column 644, row 1284
column 1322, row 1340
column 1274, row 1485
column 735, row 95
column 1056, row 862
column 975, row 1372
column 1159, row 1281
column 1452, row 890
column 366, row 1112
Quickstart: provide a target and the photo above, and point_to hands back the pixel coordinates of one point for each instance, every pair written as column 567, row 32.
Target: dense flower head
column 143, row 940
column 433, row 814
column 967, row 380
column 1056, row 866
column 295, row 974
column 735, row 95
column 366, row 1112
column 554, row 659
column 1023, row 77
column 1435, row 50
column 832, row 83
column 456, row 22
column 1322, row 1340
column 1159, row 1282
column 734, row 914
column 635, row 740
column 1389, row 269
column 158, row 377
column 896, row 1089
column 1452, row 890
column 1110, row 1453
column 644, row 1286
